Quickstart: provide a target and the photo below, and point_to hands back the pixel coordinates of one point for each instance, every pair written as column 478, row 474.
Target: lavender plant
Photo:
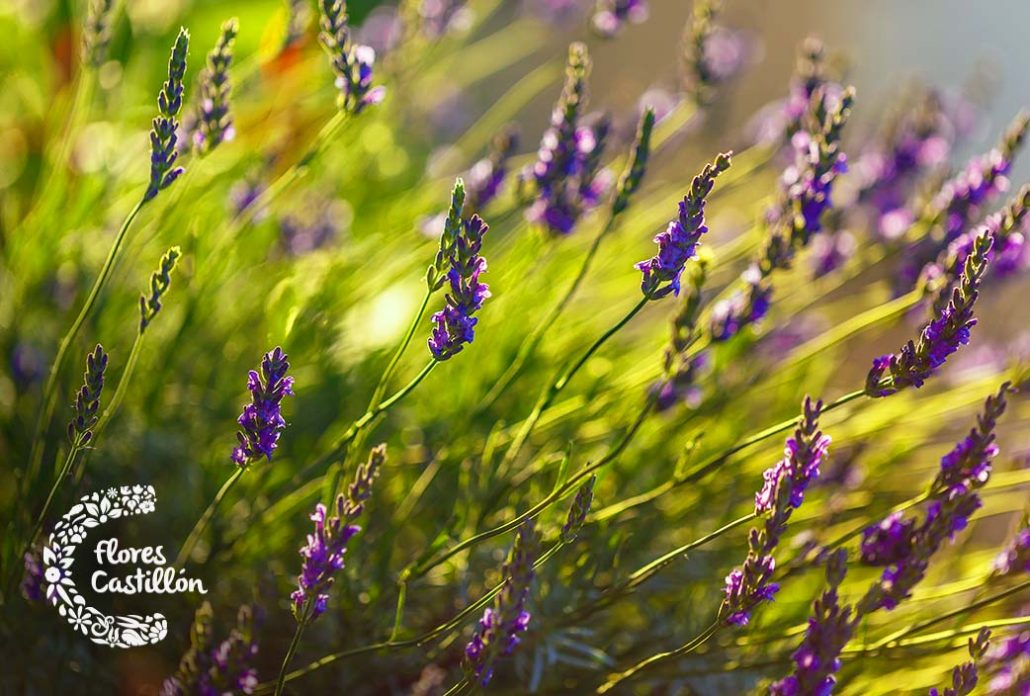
column 605, row 446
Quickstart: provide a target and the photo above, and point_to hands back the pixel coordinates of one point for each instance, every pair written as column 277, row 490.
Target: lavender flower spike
column 964, row 677
column 96, row 32
column 226, row 668
column 460, row 263
column 712, row 54
column 945, row 333
column 678, row 243
column 817, row 659
column 567, row 178
column 905, row 547
column 611, row 15
column 160, row 281
column 488, row 174
column 262, row 420
column 212, row 122
column 498, row 631
column 87, row 401
column 783, row 491
column 351, row 62
column 1016, row 556
column 163, row 138
column 323, row 553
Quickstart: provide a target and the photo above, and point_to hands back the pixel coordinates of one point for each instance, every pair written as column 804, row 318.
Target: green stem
column 384, row 380
column 198, row 528
column 301, row 624
column 50, row 390
column 529, row 345
column 685, row 649
column 69, row 462
column 559, row 383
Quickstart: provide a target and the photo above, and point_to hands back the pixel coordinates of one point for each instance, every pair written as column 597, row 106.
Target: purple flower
column 968, row 464
column 211, row 670
column 32, row 581
column 498, row 631
column 323, row 553
column 1008, row 663
column 960, row 200
column 567, row 178
column 1014, row 559
column 964, row 677
column 805, row 189
column 440, row 17
column 163, row 138
column 460, row 244
column 351, row 62
column 945, row 333
column 87, row 400
column 817, row 659
column 712, row 55
column 802, row 455
column 682, row 367
column 212, row 123
column 678, row 243
column 484, row 180
column 783, row 491
column 831, row 251
column 262, row 420
column 906, row 547
column 611, row 15
column 888, row 542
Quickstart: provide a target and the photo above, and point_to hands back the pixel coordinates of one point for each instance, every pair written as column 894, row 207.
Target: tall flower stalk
column 211, row 121
column 261, row 424
column 162, row 173
column 207, row 668
column 323, row 553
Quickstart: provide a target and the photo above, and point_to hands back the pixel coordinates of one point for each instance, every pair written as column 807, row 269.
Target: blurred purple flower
column 498, row 631
column 611, row 15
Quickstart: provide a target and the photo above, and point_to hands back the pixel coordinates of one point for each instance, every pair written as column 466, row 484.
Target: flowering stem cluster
column 941, row 337
column 352, row 62
column 163, row 135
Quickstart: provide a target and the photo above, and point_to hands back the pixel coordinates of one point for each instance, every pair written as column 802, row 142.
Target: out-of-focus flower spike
column 96, row 32
column 212, row 122
column 611, row 15
column 566, row 180
column 163, row 137
column 1015, row 558
column 941, row 337
column 964, row 677
column 206, row 668
column 298, row 18
column 359, row 492
column 817, row 659
column 352, row 62
column 87, row 399
column 160, row 281
column 678, row 243
column 488, row 174
column 578, row 512
column 630, row 180
column 680, row 368
column 712, row 55
column 498, row 631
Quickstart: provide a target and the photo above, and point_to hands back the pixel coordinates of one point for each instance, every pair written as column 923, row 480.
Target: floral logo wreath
column 92, row 511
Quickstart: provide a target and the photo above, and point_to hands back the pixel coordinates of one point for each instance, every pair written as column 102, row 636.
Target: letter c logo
column 70, row 531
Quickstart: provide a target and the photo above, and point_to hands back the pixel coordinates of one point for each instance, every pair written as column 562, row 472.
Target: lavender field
column 514, row 347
